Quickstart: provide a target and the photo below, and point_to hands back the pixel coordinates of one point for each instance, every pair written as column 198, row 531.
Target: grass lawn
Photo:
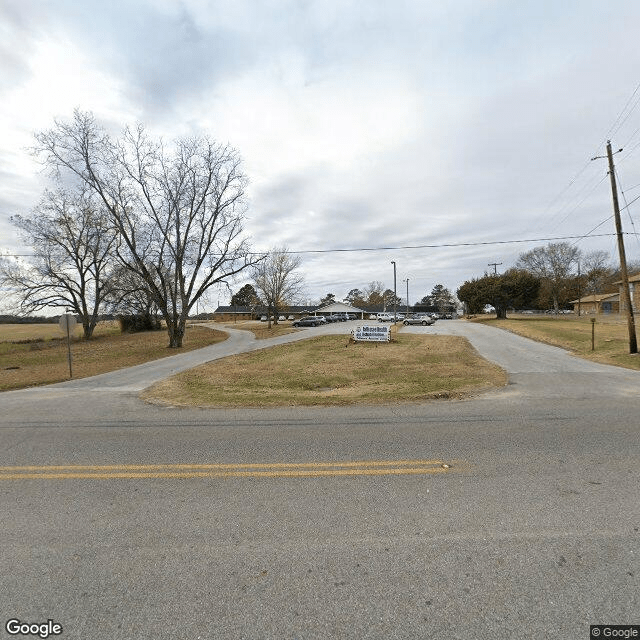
column 44, row 359
column 329, row 370
column 261, row 330
column 574, row 334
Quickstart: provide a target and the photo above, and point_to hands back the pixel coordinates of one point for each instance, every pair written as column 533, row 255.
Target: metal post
column 593, row 334
column 69, row 346
column 394, row 291
column 579, row 289
column 407, row 281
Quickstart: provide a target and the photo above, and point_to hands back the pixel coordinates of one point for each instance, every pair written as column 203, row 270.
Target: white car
column 385, row 317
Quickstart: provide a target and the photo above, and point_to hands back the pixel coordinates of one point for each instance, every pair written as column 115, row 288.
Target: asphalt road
column 514, row 514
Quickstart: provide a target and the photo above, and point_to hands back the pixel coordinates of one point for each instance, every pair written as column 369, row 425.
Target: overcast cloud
column 362, row 124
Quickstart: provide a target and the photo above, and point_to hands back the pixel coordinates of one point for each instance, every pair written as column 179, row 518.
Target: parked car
column 321, row 319
column 424, row 320
column 263, row 318
column 337, row 317
column 308, row 321
column 291, row 318
column 385, row 317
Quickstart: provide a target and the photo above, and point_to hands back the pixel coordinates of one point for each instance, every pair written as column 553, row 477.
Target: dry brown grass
column 15, row 332
column 329, row 370
column 260, row 329
column 574, row 334
column 45, row 362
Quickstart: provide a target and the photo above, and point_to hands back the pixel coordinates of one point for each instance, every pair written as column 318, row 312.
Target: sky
column 464, row 128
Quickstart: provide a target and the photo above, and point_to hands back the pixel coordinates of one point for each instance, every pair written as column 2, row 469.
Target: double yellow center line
column 252, row 470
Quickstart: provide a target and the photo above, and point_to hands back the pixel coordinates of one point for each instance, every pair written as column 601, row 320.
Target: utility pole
column 626, row 295
column 495, row 267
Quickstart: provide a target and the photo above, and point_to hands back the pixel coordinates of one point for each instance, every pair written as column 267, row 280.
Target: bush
column 133, row 323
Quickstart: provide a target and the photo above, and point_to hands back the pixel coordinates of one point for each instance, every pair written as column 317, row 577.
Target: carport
column 339, row 307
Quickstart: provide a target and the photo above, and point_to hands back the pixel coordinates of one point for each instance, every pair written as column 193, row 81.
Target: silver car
column 423, row 320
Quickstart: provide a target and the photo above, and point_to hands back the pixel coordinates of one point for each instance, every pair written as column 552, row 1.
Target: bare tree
column 276, row 281
column 178, row 210
column 553, row 264
column 130, row 296
column 73, row 243
column 596, row 271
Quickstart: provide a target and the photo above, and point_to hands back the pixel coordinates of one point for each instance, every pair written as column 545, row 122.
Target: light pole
column 393, row 262
column 407, row 281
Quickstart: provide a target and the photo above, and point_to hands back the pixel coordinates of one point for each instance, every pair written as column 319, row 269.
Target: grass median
column 331, row 370
column 36, row 358
column 261, row 330
column 574, row 334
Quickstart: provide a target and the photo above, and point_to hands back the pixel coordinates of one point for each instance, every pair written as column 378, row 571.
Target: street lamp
column 393, row 262
column 407, row 281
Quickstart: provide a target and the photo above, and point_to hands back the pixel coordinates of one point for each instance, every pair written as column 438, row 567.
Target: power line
column 446, row 245
column 602, row 179
column 443, row 245
column 615, row 127
column 622, row 117
column 624, row 197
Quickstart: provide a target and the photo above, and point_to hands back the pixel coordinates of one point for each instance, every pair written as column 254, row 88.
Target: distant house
column 634, row 291
column 597, row 303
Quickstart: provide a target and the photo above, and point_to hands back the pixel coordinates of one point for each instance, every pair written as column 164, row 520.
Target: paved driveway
column 537, row 369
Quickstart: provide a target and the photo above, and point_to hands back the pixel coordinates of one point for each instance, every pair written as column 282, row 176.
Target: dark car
column 309, row 321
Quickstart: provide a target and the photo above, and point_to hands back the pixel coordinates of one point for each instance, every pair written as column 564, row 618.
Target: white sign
column 375, row 333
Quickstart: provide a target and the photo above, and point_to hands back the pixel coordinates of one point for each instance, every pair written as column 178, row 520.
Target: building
column 597, row 303
column 634, row 290
column 232, row 314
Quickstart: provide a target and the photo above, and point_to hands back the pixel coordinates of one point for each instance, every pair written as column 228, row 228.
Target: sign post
column 67, row 324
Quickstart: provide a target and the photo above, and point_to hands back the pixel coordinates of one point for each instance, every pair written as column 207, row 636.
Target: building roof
column 598, row 297
column 633, row 278
column 340, row 307
column 262, row 309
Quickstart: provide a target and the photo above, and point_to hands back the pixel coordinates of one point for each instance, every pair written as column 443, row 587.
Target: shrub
column 133, row 323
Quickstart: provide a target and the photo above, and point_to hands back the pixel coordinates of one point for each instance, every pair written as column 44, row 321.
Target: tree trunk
column 87, row 328
column 501, row 313
column 175, row 329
